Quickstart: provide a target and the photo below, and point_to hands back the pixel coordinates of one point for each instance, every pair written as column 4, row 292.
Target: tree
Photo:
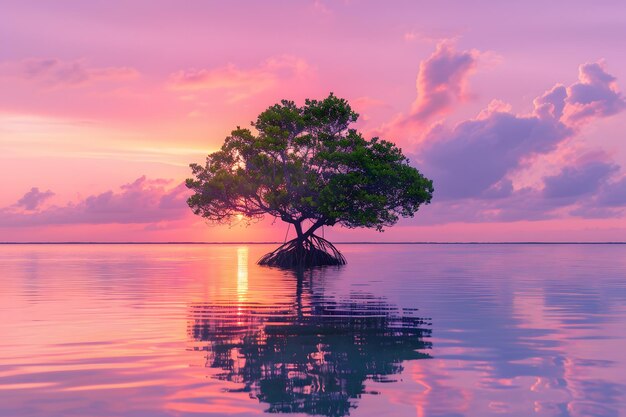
column 307, row 167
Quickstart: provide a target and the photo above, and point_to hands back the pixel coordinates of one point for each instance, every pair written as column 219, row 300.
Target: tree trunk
column 305, row 250
column 299, row 250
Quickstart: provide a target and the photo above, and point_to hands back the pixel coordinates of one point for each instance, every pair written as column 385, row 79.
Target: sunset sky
column 514, row 109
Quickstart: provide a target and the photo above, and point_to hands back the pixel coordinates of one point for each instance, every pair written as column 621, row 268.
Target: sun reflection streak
column 242, row 273
column 242, row 281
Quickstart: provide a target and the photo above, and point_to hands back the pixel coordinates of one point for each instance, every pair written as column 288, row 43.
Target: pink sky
column 513, row 108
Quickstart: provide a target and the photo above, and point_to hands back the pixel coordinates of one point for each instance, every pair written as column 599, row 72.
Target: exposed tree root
column 310, row 252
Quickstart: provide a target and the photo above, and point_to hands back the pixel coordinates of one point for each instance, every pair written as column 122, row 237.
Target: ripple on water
column 175, row 330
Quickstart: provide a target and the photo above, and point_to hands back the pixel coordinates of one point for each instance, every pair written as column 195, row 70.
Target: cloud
column 241, row 82
column 590, row 194
column 473, row 163
column 473, row 157
column 577, row 181
column 441, row 83
column 52, row 71
column 551, row 104
column 143, row 201
column 609, row 201
column 476, row 155
column 442, row 80
column 613, row 194
column 33, row 199
column 585, row 189
column 595, row 95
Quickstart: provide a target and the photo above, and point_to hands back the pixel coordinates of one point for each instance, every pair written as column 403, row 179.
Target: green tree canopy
column 307, row 164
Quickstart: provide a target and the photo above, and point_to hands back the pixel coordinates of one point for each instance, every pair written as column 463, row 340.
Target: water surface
column 402, row 330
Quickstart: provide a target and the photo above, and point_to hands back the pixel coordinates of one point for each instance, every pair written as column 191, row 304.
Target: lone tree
column 306, row 166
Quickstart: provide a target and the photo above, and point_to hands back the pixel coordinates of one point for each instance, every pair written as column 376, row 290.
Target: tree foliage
column 307, row 164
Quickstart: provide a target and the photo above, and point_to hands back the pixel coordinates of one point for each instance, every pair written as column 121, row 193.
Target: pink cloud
column 551, row 104
column 584, row 189
column 33, row 199
column 613, row 194
column 474, row 157
column 55, row 72
column 595, row 95
column 578, row 179
column 241, row 82
column 471, row 163
column 143, row 201
column 441, row 83
column 609, row 200
column 494, row 106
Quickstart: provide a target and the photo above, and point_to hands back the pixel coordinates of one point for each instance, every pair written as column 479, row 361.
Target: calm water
column 402, row 330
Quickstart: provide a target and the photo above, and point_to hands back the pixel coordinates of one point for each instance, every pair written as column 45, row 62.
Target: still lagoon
column 402, row 330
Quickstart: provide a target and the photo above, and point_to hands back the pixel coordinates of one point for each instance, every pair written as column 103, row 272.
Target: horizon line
column 530, row 242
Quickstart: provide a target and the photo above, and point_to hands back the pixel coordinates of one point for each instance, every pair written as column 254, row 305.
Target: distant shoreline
column 336, row 243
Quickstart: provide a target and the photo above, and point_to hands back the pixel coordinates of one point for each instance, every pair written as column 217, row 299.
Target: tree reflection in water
column 310, row 356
